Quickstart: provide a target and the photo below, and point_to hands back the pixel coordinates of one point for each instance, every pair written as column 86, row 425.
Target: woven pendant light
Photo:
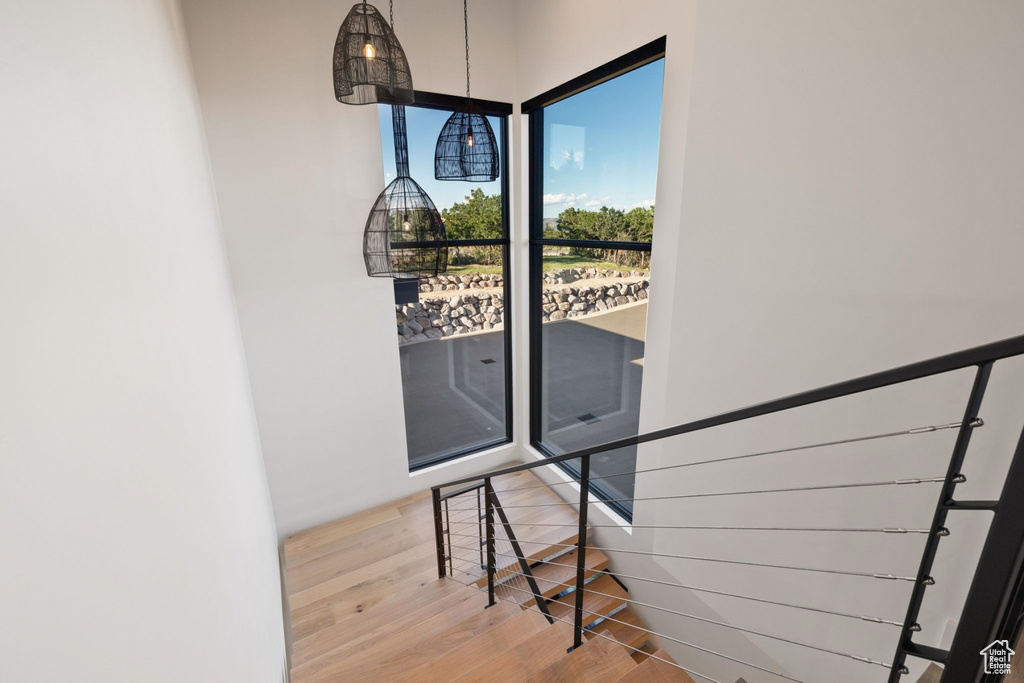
column 369, row 62
column 404, row 235
column 466, row 148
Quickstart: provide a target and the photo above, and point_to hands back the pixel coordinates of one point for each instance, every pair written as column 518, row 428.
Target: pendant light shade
column 369, row 62
column 466, row 148
column 404, row 236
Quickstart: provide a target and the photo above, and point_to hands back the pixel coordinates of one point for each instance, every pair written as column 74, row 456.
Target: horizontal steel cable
column 474, row 559
column 893, row 482
column 737, row 628
column 860, row 617
column 460, row 499
column 464, row 558
column 600, row 635
column 715, row 559
column 681, row 642
column 977, row 422
column 866, row 660
column 518, row 573
column 886, row 530
column 463, row 515
column 464, row 496
column 504, row 506
column 473, row 518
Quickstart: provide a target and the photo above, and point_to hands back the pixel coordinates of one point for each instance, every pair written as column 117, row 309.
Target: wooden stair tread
column 559, row 578
column 643, row 652
column 540, row 547
column 384, row 549
column 361, row 641
column 354, row 623
column 460, row 660
column 631, row 632
column 314, row 543
column 552, row 579
column 396, row 652
column 594, row 605
column 653, row 670
column 524, row 659
column 596, row 661
column 367, row 584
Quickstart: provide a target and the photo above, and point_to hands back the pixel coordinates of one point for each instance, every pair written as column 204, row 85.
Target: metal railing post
column 581, row 551
column 491, row 558
column 993, row 607
column 480, row 527
column 448, row 528
column 953, row 477
column 435, row 496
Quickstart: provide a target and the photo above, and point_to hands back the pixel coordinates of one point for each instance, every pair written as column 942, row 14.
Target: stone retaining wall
column 567, row 275
column 435, row 318
column 575, row 302
column 445, row 283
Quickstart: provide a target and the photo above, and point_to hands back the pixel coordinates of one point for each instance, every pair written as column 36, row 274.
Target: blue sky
column 601, row 146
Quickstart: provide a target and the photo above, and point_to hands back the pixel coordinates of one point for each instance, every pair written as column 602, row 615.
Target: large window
column 593, row 171
column 454, row 338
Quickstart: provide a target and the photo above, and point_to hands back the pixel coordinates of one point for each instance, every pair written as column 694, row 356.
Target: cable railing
column 978, row 422
column 482, row 529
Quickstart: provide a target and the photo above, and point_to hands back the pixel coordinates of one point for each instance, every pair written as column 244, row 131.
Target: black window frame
column 534, row 109
column 502, row 111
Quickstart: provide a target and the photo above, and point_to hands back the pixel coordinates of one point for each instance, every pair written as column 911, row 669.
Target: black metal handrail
column 996, row 597
column 988, row 353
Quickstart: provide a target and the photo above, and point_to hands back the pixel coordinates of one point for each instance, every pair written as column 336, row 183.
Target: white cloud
column 592, row 203
column 562, row 198
column 567, row 145
column 647, row 203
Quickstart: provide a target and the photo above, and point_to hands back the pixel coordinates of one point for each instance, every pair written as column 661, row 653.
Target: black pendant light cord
column 465, row 23
column 391, row 12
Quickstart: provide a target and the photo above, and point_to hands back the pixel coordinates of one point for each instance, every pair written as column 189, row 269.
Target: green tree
column 640, row 222
column 479, row 217
column 609, row 224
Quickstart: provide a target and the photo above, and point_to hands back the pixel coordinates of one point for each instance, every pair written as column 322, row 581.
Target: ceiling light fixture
column 404, row 235
column 466, row 148
column 369, row 63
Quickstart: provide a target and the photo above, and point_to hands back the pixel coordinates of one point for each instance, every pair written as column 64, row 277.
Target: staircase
column 525, row 596
column 366, row 603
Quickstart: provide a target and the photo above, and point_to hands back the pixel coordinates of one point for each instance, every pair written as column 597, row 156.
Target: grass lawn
column 550, row 263
column 573, row 261
column 471, row 268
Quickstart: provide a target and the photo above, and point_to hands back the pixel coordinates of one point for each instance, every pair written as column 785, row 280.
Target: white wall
column 138, row 534
column 296, row 175
column 851, row 203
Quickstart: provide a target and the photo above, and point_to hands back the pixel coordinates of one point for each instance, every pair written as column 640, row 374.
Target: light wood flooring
column 366, row 603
